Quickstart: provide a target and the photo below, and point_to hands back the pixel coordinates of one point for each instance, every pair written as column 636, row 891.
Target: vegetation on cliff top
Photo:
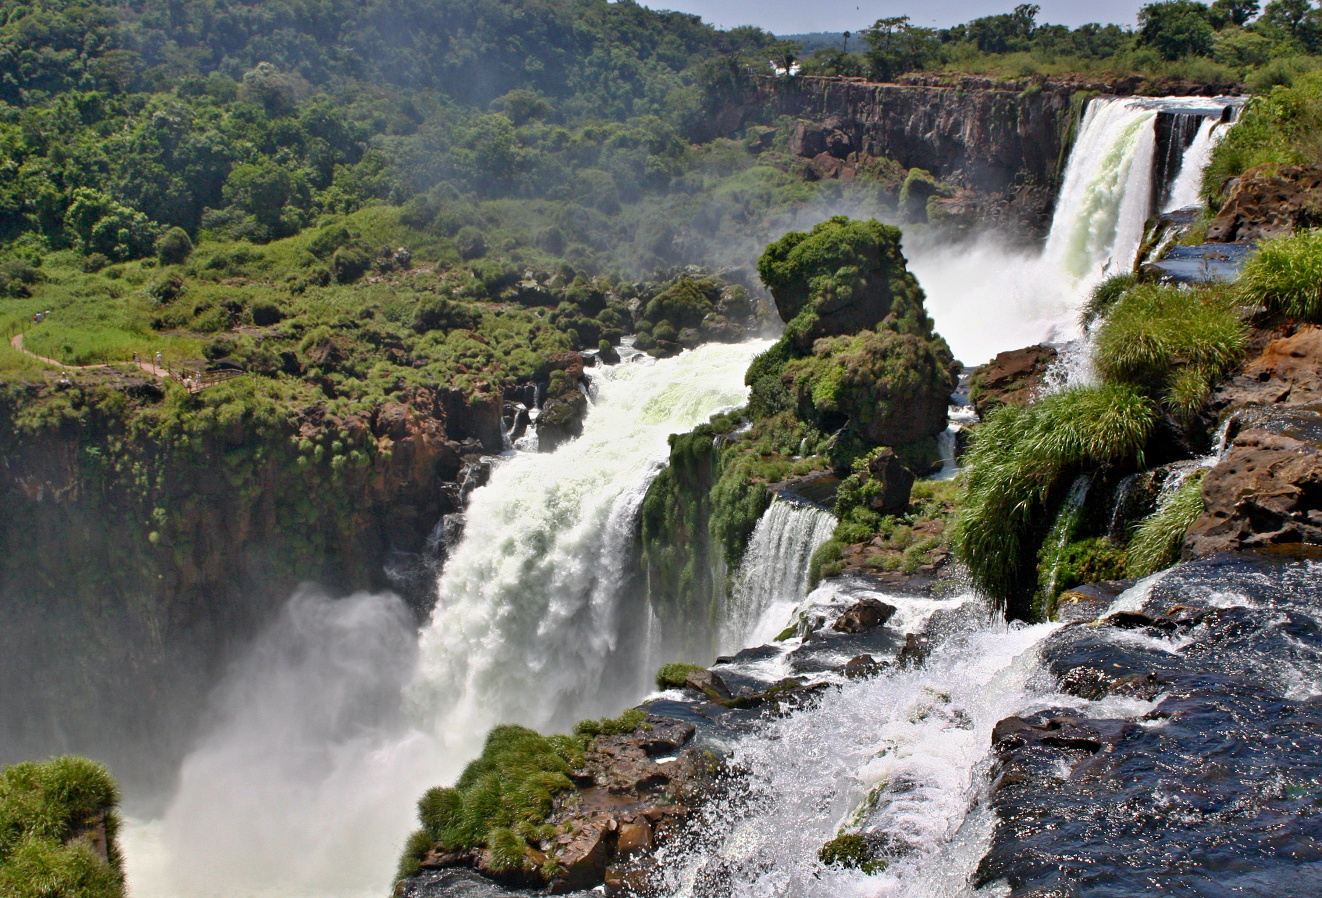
column 59, row 830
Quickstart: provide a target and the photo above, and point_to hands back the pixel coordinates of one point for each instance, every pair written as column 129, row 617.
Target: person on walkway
column 158, row 358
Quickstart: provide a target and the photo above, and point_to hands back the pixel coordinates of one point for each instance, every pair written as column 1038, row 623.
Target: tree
column 896, row 47
column 1295, row 20
column 1233, row 12
column 1005, row 33
column 1176, row 28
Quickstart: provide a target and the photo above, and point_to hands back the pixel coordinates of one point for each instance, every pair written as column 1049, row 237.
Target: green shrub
column 44, row 808
column 611, row 726
column 1285, row 276
column 1172, row 342
column 675, row 674
column 500, row 801
column 174, row 247
column 1158, row 538
column 1016, row 468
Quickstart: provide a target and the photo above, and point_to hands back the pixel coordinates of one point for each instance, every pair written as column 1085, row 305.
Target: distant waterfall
column 1107, row 191
column 773, row 575
column 1184, row 191
column 532, row 624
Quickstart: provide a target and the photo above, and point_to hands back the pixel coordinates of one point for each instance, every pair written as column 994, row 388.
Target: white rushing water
column 773, row 574
column 1184, row 191
column 337, row 720
column 531, row 624
column 1106, row 194
column 903, row 754
column 986, row 298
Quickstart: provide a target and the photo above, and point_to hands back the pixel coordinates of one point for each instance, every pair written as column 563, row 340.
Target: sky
column 804, row 16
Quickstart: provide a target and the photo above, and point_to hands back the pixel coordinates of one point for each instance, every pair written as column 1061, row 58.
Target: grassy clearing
column 45, row 810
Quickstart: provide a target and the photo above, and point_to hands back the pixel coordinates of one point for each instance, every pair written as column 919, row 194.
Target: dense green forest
column 299, row 146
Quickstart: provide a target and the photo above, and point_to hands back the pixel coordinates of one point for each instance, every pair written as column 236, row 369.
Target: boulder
column 896, row 482
column 710, row 684
column 1269, row 201
column 864, row 615
column 1012, row 378
column 1266, row 489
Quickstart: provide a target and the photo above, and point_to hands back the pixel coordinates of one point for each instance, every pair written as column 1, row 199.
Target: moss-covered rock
column 842, row 277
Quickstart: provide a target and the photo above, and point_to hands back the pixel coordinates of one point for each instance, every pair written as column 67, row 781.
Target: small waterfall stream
column 773, row 576
column 1184, row 190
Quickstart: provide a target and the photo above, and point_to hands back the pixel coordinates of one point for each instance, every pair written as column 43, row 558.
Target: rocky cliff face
column 143, row 543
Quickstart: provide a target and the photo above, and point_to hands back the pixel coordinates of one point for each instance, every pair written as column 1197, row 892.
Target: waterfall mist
column 306, row 782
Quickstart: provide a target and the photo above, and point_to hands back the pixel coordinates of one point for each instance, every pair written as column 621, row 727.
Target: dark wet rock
column 864, row 615
column 818, row 488
column 1012, row 378
column 1087, row 602
column 861, row 666
column 896, row 481
column 710, row 684
column 1265, row 490
column 1269, row 201
column 1212, row 791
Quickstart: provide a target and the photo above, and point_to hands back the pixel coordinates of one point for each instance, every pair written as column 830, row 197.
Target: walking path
column 194, row 384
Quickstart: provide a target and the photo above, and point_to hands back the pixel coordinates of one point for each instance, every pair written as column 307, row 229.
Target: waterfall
column 1184, row 192
column 532, row 623
column 1106, row 194
column 773, row 574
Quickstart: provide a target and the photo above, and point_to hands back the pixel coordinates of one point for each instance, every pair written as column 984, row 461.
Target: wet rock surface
column 1190, row 763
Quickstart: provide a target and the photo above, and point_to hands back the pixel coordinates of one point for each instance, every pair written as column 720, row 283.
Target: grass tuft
column 1158, row 538
column 1285, row 276
column 1016, row 469
column 1172, row 342
column 48, row 814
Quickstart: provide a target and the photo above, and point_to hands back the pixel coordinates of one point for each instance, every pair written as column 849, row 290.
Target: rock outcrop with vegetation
column 859, row 372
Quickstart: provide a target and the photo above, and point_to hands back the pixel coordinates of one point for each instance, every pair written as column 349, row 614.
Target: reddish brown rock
column 1269, row 201
column 1012, row 378
column 1288, row 372
column 1266, row 490
column 895, row 480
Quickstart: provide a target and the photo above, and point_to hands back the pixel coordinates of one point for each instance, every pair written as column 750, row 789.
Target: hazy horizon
column 795, row 17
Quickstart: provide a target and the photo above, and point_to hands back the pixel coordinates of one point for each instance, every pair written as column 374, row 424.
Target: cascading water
column 773, row 575
column 1184, row 192
column 898, row 759
column 327, row 732
column 1106, row 194
column 532, row 624
column 1105, row 198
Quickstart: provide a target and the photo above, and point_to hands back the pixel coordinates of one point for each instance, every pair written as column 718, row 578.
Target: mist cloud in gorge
column 308, row 779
